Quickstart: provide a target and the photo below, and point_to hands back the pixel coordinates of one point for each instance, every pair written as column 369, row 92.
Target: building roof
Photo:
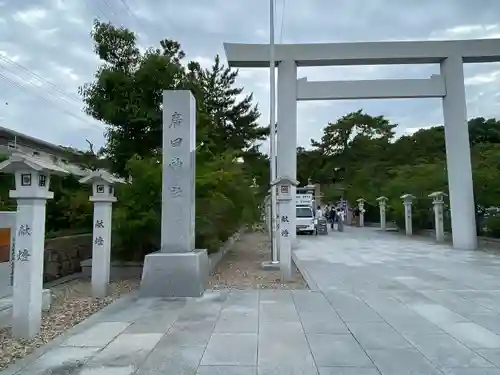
column 36, row 142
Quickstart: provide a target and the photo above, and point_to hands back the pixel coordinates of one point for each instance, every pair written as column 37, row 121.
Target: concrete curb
column 307, row 277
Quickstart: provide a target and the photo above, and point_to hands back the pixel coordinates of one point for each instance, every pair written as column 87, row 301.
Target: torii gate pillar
column 458, row 160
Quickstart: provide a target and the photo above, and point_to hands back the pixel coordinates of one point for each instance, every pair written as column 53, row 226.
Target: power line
column 102, row 14
column 137, row 21
column 67, row 97
column 129, row 10
column 26, row 83
column 39, row 78
column 23, row 88
column 110, row 7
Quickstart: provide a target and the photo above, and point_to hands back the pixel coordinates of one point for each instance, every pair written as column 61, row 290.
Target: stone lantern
column 361, row 206
column 438, row 203
column 286, row 202
column 382, row 203
column 407, row 202
column 103, row 198
column 32, row 180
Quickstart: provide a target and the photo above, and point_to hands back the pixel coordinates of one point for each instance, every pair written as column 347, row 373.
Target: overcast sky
column 50, row 39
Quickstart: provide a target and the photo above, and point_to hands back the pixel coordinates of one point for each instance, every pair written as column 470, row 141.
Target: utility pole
column 272, row 134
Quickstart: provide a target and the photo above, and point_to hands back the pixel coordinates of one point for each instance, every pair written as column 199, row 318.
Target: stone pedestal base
column 175, row 274
column 269, row 265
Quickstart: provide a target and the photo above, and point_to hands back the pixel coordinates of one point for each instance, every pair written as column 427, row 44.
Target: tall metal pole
column 272, row 133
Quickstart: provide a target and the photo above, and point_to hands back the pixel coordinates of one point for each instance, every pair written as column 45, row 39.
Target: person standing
column 331, row 217
column 356, row 216
column 319, row 213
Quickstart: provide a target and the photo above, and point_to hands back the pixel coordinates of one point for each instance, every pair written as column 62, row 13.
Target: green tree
column 347, row 145
column 225, row 200
column 127, row 91
column 339, row 135
column 127, row 95
column 483, row 130
column 373, row 163
column 234, row 121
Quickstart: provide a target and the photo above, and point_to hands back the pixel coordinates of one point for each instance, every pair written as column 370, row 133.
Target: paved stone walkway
column 413, row 306
column 384, row 304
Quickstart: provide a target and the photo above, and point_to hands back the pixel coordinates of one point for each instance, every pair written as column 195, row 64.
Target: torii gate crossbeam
column 433, row 87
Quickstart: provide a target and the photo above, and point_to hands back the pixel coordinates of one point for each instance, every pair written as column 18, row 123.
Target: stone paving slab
column 384, row 304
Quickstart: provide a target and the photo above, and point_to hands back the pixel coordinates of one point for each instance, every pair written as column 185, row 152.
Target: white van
column 305, row 219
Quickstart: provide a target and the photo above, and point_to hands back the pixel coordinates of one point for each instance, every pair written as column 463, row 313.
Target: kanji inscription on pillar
column 176, row 142
column 176, row 120
column 23, row 255
column 24, row 230
column 176, row 163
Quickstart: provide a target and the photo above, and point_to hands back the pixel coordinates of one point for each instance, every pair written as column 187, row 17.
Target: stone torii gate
column 449, row 85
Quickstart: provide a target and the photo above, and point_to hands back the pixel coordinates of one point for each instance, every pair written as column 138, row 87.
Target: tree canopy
column 126, row 94
column 360, row 156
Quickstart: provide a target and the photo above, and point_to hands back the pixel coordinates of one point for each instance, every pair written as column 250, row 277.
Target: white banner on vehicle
column 303, row 199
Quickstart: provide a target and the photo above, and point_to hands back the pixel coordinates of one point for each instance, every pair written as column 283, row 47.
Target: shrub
column 225, row 201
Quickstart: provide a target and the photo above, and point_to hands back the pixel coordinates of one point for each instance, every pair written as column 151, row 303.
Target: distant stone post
column 103, row 198
column 382, row 204
column 438, row 203
column 177, row 269
column 286, row 203
column 32, row 177
column 361, row 206
column 407, row 202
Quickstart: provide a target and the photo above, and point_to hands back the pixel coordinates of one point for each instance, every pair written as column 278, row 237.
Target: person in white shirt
column 319, row 213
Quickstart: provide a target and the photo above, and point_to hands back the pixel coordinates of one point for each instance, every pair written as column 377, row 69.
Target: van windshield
column 304, row 212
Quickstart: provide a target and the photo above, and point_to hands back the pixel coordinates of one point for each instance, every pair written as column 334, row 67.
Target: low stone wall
column 63, row 255
column 118, row 270
column 128, row 270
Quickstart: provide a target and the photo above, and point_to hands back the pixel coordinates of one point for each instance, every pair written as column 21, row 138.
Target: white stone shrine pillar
column 286, row 138
column 177, row 269
column 438, row 203
column 32, row 177
column 287, row 206
column 458, row 160
column 382, row 203
column 103, row 199
column 407, row 202
column 361, row 207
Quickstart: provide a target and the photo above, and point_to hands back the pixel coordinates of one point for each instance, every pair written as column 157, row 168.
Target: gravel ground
column 241, row 267
column 71, row 303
